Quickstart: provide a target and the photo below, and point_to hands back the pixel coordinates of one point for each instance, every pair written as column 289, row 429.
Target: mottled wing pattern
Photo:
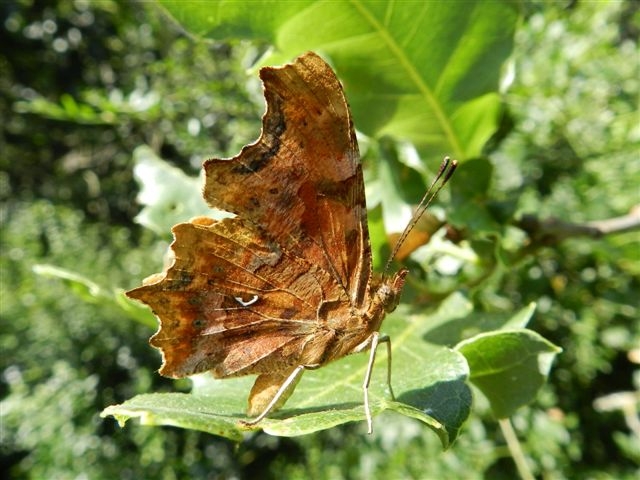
column 232, row 302
column 301, row 182
column 249, row 294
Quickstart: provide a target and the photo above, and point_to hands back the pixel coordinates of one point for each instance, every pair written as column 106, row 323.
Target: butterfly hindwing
column 231, row 289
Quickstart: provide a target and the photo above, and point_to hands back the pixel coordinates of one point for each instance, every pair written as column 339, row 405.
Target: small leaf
column 91, row 292
column 81, row 286
column 508, row 366
column 468, row 323
column 469, row 197
column 69, row 105
column 521, row 318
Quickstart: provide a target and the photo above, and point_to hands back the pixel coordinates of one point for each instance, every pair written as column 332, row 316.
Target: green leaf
column 169, row 196
column 508, row 366
column 424, row 72
column 181, row 410
column 521, row 318
column 91, row 292
column 470, row 196
column 83, row 287
column 136, row 310
column 465, row 323
column 429, row 382
column 67, row 110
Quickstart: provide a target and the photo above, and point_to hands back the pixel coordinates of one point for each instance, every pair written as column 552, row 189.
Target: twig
column 552, row 230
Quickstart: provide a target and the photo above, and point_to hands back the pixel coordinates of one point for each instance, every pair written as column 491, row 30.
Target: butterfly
column 286, row 285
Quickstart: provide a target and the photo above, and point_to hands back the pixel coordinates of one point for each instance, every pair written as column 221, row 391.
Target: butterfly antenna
column 447, row 167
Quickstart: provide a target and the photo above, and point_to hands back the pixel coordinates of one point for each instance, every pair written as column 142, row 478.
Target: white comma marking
column 251, row 301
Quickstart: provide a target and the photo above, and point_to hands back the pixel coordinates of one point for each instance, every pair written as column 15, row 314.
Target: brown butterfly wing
column 301, row 182
column 256, row 293
column 232, row 302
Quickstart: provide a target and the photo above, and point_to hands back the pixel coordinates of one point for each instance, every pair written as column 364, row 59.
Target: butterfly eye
column 246, row 303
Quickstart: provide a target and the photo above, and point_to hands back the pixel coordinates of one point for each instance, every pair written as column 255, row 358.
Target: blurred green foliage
column 85, row 83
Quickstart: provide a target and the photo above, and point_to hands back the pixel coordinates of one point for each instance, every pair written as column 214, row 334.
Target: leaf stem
column 515, row 449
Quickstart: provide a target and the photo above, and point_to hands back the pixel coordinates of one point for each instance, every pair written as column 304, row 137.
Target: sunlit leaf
column 424, row 72
column 508, row 366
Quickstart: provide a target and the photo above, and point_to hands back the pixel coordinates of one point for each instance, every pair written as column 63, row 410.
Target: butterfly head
column 390, row 290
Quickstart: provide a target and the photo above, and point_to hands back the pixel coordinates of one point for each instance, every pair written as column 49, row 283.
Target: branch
column 553, row 230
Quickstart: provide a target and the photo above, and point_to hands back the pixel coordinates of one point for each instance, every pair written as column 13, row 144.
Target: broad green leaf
column 169, row 196
column 426, row 72
column 428, row 382
column 508, row 366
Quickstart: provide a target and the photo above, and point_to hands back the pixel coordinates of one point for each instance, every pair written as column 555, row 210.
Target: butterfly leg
column 386, row 339
column 284, row 391
column 376, row 339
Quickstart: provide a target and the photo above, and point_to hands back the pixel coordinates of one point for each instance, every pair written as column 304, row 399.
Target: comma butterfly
column 287, row 284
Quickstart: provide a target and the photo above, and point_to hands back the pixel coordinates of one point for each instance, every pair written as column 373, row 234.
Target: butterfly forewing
column 301, row 182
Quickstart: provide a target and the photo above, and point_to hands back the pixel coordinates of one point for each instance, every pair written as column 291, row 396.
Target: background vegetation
column 83, row 84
